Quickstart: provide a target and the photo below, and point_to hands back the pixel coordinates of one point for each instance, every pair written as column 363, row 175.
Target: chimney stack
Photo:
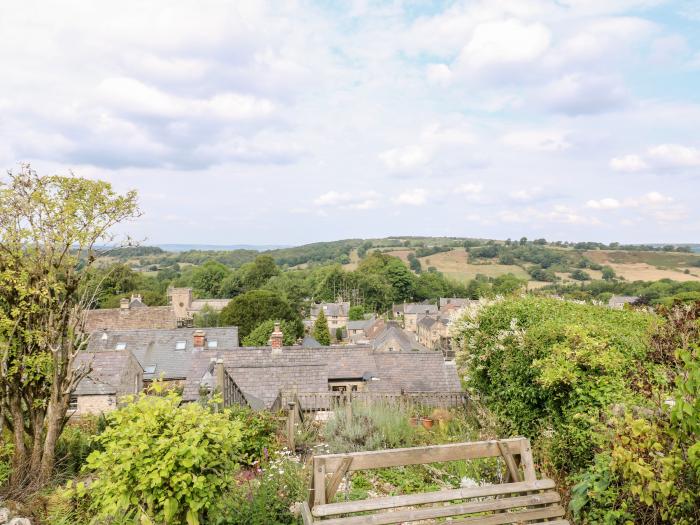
column 276, row 338
column 200, row 338
column 124, row 303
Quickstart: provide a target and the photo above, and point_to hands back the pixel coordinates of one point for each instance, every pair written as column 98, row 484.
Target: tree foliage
column 321, row 332
column 248, row 310
column 49, row 229
column 260, row 336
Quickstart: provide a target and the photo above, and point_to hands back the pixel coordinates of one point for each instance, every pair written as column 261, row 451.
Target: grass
column 455, row 264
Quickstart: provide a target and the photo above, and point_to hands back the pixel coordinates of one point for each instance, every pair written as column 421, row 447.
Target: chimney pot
column 199, row 338
column 276, row 338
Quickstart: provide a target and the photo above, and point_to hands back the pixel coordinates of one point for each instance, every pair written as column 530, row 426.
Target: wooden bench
column 522, row 499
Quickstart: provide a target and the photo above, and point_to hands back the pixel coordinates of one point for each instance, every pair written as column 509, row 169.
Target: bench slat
column 390, row 502
column 555, row 522
column 421, row 455
column 555, row 511
column 387, row 518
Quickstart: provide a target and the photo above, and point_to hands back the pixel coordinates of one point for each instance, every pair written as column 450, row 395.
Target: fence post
column 219, row 381
column 348, row 408
column 291, row 416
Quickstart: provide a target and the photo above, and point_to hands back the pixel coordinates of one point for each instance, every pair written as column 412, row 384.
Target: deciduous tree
column 50, row 227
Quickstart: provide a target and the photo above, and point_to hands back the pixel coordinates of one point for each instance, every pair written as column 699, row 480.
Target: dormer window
column 120, row 346
column 180, row 345
column 213, row 344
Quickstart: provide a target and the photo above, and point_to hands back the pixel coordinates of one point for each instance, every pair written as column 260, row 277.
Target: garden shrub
column 651, row 474
column 258, row 434
column 373, row 427
column 266, row 499
column 163, row 462
column 551, row 368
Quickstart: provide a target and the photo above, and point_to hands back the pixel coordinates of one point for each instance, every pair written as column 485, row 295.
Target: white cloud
column 504, row 42
column 406, row 158
column 469, row 188
column 347, row 200
column 628, row 164
column 580, row 94
column 658, row 158
column 675, row 156
column 525, row 195
column 607, row 203
column 438, row 74
column 652, row 199
column 414, row 197
column 538, row 140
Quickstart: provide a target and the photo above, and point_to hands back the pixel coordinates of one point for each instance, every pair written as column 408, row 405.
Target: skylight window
column 180, row 345
column 150, row 369
column 213, row 344
column 120, row 346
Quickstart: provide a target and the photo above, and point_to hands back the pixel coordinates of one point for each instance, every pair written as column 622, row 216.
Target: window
column 73, row 403
column 120, row 346
column 213, row 344
column 149, row 369
column 180, row 345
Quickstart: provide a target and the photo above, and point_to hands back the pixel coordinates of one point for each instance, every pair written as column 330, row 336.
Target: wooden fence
column 328, row 401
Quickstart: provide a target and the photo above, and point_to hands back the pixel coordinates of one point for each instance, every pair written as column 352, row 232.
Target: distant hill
column 220, row 247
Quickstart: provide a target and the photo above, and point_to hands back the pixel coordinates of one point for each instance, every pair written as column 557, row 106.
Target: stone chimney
column 276, row 339
column 199, row 338
column 124, row 303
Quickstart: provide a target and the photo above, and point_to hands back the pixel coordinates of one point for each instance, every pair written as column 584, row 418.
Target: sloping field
column 648, row 266
column 658, row 259
column 455, row 264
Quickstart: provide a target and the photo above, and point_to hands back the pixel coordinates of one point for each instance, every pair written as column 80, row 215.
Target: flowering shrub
column 266, row 498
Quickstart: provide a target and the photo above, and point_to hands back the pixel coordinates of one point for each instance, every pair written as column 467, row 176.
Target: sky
column 292, row 122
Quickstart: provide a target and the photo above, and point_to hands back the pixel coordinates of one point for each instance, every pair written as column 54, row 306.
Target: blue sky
column 292, row 122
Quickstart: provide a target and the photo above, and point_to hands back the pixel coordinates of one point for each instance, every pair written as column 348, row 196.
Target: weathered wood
column 390, row 502
column 388, row 518
column 513, row 472
column 337, row 476
column 306, row 514
column 527, row 462
column 319, row 482
column 291, row 425
column 421, row 455
column 555, row 511
column 552, row 522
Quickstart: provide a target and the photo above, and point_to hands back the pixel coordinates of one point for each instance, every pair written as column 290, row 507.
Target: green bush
column 163, row 461
column 265, row 499
column 258, row 435
column 550, row 368
column 372, row 427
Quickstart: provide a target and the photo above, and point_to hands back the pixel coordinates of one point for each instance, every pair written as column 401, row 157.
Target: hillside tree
column 321, row 332
column 50, row 231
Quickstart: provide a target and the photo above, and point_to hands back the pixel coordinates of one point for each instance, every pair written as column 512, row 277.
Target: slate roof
column 158, row 347
column 141, row 317
column 214, row 304
column 310, row 342
column 427, row 322
column 361, row 324
column 111, row 373
column 407, row 342
column 622, row 299
column 331, row 309
column 261, row 373
column 415, row 308
column 454, row 301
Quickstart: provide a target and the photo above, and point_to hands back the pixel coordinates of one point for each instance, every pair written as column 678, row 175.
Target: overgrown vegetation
column 609, row 398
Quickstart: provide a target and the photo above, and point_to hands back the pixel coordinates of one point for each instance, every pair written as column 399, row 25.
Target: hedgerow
column 611, row 400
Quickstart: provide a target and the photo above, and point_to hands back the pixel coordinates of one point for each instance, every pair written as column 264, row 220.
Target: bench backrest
column 329, row 469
